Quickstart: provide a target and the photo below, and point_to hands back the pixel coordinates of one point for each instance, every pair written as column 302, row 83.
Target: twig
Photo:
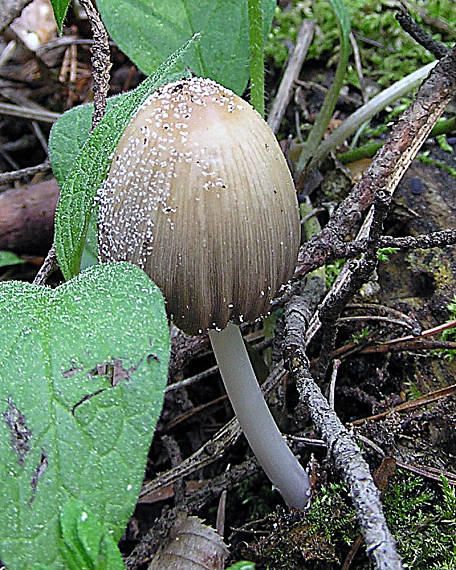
column 28, row 113
column 419, row 345
column 378, row 318
column 46, row 269
column 343, row 449
column 384, row 310
column 39, row 135
column 420, row 35
column 332, row 384
column 434, row 239
column 348, row 282
column 429, row 332
column 358, row 246
column 101, row 62
column 388, row 166
column 407, row 406
column 6, row 177
column 358, row 67
column 8, row 52
column 285, row 91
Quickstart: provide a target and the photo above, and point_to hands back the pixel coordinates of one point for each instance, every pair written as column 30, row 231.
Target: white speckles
column 84, row 516
column 129, row 487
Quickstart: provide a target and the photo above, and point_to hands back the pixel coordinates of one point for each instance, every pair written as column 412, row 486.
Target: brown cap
column 199, row 195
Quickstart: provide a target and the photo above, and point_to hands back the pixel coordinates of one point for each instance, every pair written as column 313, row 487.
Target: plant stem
column 255, row 419
column 367, row 111
column 369, row 149
column 256, row 55
column 327, row 109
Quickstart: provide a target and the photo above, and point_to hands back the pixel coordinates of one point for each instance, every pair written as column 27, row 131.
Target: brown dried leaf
column 191, row 545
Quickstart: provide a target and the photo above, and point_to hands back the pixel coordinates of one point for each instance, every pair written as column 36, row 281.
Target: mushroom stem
column 255, row 419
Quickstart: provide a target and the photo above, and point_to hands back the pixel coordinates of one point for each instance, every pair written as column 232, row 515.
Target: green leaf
column 60, row 9
column 9, row 258
column 91, row 165
column 256, row 40
column 149, row 31
column 242, row 565
column 82, row 375
column 68, row 136
column 71, row 131
column 66, row 140
column 85, row 542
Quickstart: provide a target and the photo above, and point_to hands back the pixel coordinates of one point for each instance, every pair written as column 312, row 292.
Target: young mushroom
column 200, row 197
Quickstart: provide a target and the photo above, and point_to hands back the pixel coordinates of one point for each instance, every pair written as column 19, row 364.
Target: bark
column 27, row 217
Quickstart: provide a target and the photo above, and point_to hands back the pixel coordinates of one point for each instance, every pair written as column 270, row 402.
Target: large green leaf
column 90, row 166
column 82, row 375
column 149, row 31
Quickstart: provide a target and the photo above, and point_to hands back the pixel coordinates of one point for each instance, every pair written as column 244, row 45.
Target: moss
column 421, row 516
column 433, row 262
column 309, row 540
column 423, row 520
column 332, row 270
column 375, row 20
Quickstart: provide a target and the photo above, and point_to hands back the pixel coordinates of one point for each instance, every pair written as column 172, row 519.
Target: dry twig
column 389, row 165
column 285, row 91
column 341, row 446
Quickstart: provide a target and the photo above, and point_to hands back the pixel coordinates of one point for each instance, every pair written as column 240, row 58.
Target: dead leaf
column 191, row 545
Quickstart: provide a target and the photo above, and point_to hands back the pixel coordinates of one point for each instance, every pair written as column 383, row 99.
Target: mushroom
column 200, row 197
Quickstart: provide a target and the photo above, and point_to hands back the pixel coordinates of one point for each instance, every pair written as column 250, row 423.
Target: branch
column 343, row 449
column 388, row 166
column 419, row 35
column 285, row 90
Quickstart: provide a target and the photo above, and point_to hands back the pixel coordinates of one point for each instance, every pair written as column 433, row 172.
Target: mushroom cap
column 199, row 196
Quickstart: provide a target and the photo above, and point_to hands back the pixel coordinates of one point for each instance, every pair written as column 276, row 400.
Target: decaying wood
column 27, row 217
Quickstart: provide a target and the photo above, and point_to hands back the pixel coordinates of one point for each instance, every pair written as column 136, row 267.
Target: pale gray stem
column 255, row 419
